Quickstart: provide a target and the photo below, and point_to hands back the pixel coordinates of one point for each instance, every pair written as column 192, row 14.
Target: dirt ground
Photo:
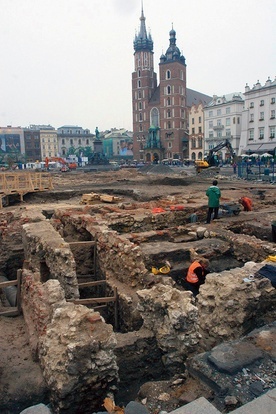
column 18, row 372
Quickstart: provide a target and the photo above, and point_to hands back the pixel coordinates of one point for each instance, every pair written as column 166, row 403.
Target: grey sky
column 70, row 61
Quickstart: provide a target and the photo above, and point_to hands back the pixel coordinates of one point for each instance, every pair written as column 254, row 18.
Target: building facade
column 118, row 145
column 75, row 141
column 196, row 132
column 49, row 143
column 222, row 121
column 12, row 144
column 258, row 119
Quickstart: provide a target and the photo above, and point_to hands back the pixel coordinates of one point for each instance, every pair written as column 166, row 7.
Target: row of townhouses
column 38, row 142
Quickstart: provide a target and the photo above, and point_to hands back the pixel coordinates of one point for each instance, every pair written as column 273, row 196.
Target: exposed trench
column 141, row 360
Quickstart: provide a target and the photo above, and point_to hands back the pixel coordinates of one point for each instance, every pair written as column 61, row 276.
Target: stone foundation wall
column 173, row 318
column 43, row 247
column 73, row 344
column 229, row 306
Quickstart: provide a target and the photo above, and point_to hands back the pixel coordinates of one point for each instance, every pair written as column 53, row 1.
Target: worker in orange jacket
column 196, row 274
column 246, row 203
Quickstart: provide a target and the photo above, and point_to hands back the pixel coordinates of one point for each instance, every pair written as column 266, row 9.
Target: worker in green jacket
column 213, row 193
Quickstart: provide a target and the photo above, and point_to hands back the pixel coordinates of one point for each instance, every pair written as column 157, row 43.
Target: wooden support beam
column 92, row 300
column 18, row 295
column 8, row 283
column 82, row 243
column 116, row 324
column 10, row 312
column 94, row 283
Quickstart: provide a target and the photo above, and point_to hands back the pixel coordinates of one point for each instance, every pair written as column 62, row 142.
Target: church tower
column 159, row 111
column 144, row 83
column 173, row 113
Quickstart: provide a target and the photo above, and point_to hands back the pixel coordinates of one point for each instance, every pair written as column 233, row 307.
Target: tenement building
column 160, row 111
column 258, row 119
column 222, row 121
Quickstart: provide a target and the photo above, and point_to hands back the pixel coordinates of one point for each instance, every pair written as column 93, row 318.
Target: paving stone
column 199, row 406
column 231, row 358
column 37, row 409
column 134, row 407
column 266, row 404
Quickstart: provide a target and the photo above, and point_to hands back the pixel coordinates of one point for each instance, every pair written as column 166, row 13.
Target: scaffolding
column 21, row 183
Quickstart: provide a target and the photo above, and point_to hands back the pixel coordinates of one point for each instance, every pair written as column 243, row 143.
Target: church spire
column 142, row 41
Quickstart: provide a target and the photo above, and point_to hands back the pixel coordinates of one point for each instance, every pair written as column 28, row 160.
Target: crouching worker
column 196, row 274
column 246, row 202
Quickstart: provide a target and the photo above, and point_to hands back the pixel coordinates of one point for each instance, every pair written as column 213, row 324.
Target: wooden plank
column 18, row 295
column 82, row 243
column 94, row 283
column 11, row 312
column 9, row 283
column 116, row 324
column 92, row 300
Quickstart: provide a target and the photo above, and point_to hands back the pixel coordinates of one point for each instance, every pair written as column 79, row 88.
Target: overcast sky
column 69, row 62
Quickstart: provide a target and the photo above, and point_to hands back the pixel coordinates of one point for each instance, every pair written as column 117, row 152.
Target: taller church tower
column 144, row 83
column 159, row 111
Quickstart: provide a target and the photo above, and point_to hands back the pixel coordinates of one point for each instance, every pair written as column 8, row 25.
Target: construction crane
column 65, row 166
column 211, row 159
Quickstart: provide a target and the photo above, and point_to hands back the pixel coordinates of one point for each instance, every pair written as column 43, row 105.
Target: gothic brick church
column 160, row 112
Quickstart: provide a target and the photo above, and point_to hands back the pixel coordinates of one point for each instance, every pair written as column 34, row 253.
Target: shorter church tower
column 173, row 114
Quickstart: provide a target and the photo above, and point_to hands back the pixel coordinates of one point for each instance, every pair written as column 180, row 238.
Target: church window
column 168, row 74
column 139, row 73
column 140, row 117
column 168, row 90
column 169, row 125
column 168, row 114
column 154, row 117
column 139, row 84
column 139, row 95
column 140, row 127
column 140, row 106
column 169, row 102
column 169, row 144
column 145, row 59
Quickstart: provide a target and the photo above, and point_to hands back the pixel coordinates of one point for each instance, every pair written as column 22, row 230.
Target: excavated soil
column 19, row 374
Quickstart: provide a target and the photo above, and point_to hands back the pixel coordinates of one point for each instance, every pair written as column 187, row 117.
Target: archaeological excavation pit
column 87, row 274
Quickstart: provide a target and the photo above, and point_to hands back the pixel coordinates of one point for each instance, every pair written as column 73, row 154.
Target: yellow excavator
column 211, row 160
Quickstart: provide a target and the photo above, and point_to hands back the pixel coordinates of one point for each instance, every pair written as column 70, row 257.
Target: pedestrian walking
column 213, row 193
